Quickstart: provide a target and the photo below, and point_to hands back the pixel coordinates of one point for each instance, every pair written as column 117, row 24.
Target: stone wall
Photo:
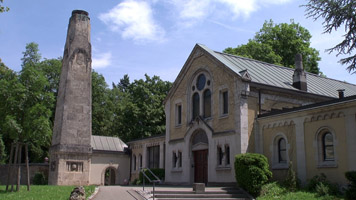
column 34, row 167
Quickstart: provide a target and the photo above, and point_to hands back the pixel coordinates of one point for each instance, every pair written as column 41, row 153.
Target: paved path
column 114, row 193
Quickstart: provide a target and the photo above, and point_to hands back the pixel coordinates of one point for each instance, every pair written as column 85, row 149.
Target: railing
column 156, row 179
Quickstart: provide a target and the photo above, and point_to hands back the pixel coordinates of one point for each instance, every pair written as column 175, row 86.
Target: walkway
column 115, row 193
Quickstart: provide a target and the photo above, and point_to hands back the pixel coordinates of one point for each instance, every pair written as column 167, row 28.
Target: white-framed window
column 224, row 102
column 280, row 147
column 178, row 111
column 326, row 151
column 201, row 96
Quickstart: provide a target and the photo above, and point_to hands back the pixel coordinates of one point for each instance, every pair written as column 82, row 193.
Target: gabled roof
column 266, row 74
column 104, row 143
column 278, row 76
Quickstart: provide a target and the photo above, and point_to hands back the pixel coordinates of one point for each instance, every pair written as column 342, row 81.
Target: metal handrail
column 157, row 180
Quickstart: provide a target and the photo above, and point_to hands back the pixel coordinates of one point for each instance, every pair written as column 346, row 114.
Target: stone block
column 199, row 188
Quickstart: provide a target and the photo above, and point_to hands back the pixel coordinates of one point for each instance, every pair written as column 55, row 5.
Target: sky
column 154, row 37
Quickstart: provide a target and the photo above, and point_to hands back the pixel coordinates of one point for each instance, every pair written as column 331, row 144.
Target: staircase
column 209, row 194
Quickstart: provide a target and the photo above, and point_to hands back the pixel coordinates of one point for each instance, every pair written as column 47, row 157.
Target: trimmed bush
column 160, row 173
column 351, row 190
column 252, row 172
column 39, row 179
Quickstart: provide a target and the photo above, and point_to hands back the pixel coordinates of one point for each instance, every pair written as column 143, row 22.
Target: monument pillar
column 70, row 153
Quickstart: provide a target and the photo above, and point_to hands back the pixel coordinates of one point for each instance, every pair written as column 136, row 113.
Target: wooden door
column 201, row 166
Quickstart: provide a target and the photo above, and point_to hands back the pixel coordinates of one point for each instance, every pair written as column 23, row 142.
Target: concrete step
column 196, row 196
column 206, row 192
column 202, row 199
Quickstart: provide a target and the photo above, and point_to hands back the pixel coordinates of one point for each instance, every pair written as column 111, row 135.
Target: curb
column 94, row 193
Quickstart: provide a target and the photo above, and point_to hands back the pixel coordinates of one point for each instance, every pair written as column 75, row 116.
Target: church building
column 222, row 105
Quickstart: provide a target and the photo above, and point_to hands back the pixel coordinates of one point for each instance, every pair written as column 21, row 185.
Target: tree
column 25, row 108
column 138, row 107
column 3, row 8
column 278, row 44
column 31, row 55
column 337, row 13
column 102, row 109
column 256, row 50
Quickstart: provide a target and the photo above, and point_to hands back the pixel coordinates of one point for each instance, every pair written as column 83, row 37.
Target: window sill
column 178, row 126
column 177, row 169
column 223, row 168
column 223, row 116
column 280, row 166
column 327, row 165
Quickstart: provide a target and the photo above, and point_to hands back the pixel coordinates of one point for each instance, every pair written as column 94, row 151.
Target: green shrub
column 291, row 182
column 322, row 186
column 272, row 190
column 351, row 190
column 252, row 172
column 160, row 173
column 39, row 179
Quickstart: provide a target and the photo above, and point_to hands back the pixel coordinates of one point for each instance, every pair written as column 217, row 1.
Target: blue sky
column 135, row 37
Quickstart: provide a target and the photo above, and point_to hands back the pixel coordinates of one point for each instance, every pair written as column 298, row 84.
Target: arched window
column 207, row 103
column 140, row 161
column 282, row 151
column 134, row 163
column 196, row 100
column 328, row 147
column 201, row 96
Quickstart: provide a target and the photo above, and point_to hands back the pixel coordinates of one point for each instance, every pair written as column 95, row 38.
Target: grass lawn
column 275, row 191
column 42, row 192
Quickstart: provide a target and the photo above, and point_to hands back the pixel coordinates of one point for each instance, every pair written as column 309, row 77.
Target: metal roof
column 282, row 77
column 104, row 143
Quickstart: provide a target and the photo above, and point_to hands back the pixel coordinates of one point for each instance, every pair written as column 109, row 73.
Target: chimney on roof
column 341, row 93
column 299, row 76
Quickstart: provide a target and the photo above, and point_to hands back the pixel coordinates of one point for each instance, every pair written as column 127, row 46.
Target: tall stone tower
column 70, row 153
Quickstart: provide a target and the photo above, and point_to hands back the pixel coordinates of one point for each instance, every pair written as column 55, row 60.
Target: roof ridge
column 283, row 67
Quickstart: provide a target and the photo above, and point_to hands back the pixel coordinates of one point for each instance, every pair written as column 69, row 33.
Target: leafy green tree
column 139, row 110
column 31, row 55
column 26, row 108
column 3, row 8
column 337, row 14
column 256, row 50
column 102, row 108
column 278, row 44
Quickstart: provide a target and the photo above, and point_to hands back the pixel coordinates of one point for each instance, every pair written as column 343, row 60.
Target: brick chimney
column 299, row 76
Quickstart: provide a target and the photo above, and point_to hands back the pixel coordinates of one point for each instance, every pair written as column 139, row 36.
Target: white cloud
column 134, row 20
column 191, row 11
column 102, row 60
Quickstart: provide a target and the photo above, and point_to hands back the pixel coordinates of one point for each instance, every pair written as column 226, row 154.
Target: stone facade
column 212, row 114
column 303, row 131
column 70, row 153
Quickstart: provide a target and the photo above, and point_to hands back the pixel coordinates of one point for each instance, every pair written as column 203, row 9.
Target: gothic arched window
column 207, row 103
column 196, row 105
column 282, row 151
column 328, row 146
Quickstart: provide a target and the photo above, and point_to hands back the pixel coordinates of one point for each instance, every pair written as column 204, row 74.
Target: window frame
column 320, row 151
column 275, row 150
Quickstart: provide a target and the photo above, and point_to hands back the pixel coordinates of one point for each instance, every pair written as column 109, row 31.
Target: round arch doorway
column 200, row 146
column 109, row 176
